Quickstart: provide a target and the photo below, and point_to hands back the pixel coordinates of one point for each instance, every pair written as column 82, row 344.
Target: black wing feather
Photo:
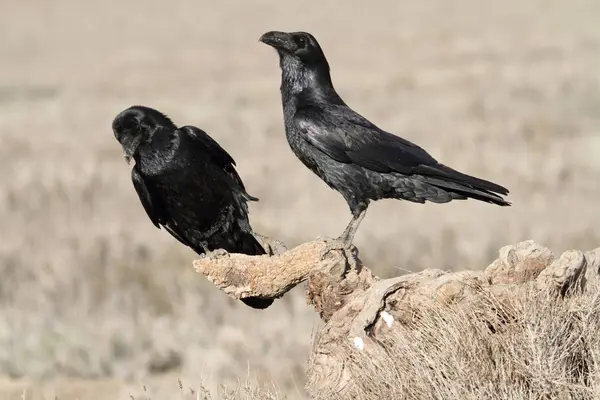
column 347, row 137
column 219, row 156
column 217, row 153
column 153, row 210
column 152, row 206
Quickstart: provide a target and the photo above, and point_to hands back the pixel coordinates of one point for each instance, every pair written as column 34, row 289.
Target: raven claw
column 218, row 253
column 332, row 245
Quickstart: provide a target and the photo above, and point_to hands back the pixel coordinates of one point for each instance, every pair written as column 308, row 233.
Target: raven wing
column 218, row 155
column 154, row 211
column 348, row 137
column 201, row 138
column 152, row 205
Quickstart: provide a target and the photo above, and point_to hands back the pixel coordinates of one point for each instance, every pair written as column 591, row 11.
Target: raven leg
column 358, row 214
column 216, row 253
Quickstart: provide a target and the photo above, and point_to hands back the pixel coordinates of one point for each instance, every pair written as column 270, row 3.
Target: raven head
column 136, row 123
column 301, row 46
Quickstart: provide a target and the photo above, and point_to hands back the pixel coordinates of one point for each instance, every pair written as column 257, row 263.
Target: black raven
column 347, row 151
column 187, row 184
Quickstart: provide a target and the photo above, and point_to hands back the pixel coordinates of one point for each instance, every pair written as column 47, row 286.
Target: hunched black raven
column 347, row 151
column 187, row 184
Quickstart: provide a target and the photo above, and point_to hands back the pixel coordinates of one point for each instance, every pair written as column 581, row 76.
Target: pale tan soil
column 508, row 91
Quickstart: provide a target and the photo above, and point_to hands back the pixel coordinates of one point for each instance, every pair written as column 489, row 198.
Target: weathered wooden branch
column 333, row 273
column 242, row 276
column 356, row 305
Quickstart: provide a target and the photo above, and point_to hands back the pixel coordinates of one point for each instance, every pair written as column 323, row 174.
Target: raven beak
column 128, row 155
column 129, row 146
column 127, row 158
column 279, row 40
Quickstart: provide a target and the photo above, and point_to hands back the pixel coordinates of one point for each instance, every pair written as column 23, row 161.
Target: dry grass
column 163, row 388
column 90, row 289
column 547, row 349
column 550, row 349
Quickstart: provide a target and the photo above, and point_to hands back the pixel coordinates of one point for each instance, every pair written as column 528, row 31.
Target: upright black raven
column 187, row 184
column 352, row 155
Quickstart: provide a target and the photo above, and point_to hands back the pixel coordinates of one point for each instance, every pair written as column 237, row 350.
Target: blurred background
column 95, row 302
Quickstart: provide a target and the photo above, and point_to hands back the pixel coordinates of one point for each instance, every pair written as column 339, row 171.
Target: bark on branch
column 332, row 272
column 242, row 276
column 357, row 306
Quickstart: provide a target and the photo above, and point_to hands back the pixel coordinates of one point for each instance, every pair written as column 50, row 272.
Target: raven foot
column 214, row 254
column 333, row 245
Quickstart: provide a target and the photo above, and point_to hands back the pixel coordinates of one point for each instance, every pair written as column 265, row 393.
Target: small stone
column 565, row 273
column 387, row 318
column 519, row 263
column 593, row 263
column 359, row 343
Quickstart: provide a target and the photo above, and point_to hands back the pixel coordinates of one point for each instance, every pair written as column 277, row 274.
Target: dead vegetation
column 548, row 350
column 525, row 327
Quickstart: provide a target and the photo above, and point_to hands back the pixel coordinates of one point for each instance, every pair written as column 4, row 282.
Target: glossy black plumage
column 187, row 184
column 351, row 154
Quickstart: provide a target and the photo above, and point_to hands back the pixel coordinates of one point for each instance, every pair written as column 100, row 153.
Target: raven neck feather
column 306, row 83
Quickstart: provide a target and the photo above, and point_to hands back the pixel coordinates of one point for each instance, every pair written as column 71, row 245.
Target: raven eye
column 130, row 124
column 302, row 41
